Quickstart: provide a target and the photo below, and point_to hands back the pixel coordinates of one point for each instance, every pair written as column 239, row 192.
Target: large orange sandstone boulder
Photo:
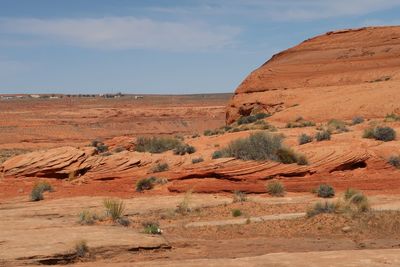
column 339, row 74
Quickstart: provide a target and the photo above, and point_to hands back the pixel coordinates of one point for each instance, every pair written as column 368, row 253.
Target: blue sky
column 167, row 47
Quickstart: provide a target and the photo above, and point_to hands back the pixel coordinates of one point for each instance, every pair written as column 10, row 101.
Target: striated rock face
column 347, row 71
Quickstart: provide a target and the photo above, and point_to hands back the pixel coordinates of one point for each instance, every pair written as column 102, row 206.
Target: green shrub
column 81, row 248
column 276, row 189
column 160, row 167
column 183, row 149
column 323, row 135
column 217, row 154
column 319, row 207
column 357, row 120
column 302, row 160
column 145, row 184
column 114, row 208
column 156, row 144
column 246, row 119
column 239, row 196
column 395, row 161
column 197, row 160
column 38, row 190
column 152, row 228
column 325, row 191
column 260, row 146
column 392, row 117
column 304, row 139
column 382, row 133
column 236, row 213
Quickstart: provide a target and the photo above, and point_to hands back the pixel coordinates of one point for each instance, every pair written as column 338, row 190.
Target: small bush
column 124, row 221
column 114, row 208
column 86, row 217
column 196, row 135
column 349, row 193
column 81, row 248
column 325, row 191
column 300, row 122
column 304, row 139
column 286, row 155
column 184, row 206
column 145, row 184
column 239, row 196
column 212, row 132
column 319, row 207
column 357, row 120
column 302, row 160
column 359, row 203
column 184, row 149
column 381, row 133
column 217, row 154
column 156, row 144
column 260, row 116
column 276, row 189
column 236, row 213
column 246, row 119
column 152, row 228
column 197, row 160
column 38, row 190
column 392, row 117
column 395, row 161
column 160, row 167
column 323, row 135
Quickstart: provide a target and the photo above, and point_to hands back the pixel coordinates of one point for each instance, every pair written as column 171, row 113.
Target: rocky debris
column 354, row 71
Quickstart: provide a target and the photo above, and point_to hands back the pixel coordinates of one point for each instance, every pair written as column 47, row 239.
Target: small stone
column 346, row 229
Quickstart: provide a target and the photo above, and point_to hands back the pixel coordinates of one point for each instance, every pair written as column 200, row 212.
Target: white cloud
column 122, row 33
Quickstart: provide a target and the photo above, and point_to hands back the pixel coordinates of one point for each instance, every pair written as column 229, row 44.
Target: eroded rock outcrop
column 337, row 74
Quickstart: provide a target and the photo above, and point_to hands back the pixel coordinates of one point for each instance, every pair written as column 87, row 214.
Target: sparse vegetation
column 322, row 207
column 382, row 133
column 323, row 135
column 156, row 144
column 114, row 208
column 392, row 117
column 304, row 139
column 213, row 132
column 99, row 146
column 197, row 160
column 302, row 160
column 184, row 149
column 81, row 248
column 236, row 213
column 217, row 154
column 86, row 217
column 239, row 196
column 349, row 193
column 275, row 188
column 325, row 191
column 38, row 190
column 152, row 228
column 395, row 161
column 184, row 206
column 160, row 167
column 259, row 146
column 357, row 120
column 252, row 118
column 145, row 184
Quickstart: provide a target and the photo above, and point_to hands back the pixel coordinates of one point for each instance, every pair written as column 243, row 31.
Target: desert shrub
column 197, row 160
column 382, row 133
column 337, row 126
column 196, row 135
column 152, row 228
column 87, row 217
column 212, row 132
column 217, row 154
column 392, row 117
column 184, row 206
column 38, row 190
column 101, row 148
column 323, row 135
column 359, row 203
column 184, row 149
column 304, row 139
column 395, row 161
column 81, row 248
column 276, row 189
column 300, row 122
column 325, row 191
column 160, row 167
column 260, row 116
column 286, row 155
column 95, row 142
column 357, row 120
column 236, row 213
column 145, row 184
column 319, row 207
column 246, row 119
column 156, row 144
column 239, row 196
column 114, row 208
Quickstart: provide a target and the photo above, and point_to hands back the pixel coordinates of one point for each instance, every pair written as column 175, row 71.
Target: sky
column 160, row 47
